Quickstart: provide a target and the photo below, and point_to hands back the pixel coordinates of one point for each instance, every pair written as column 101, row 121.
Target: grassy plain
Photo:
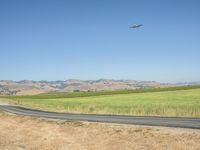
column 100, row 93
column 182, row 103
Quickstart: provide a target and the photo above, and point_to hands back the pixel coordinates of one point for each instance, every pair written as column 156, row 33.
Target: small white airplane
column 136, row 25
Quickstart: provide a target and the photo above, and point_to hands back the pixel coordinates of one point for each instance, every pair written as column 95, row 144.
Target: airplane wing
column 136, row 26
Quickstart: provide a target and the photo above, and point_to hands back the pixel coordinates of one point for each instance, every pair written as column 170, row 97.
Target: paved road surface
column 152, row 121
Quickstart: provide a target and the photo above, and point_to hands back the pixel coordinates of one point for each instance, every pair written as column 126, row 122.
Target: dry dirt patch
column 20, row 133
column 3, row 103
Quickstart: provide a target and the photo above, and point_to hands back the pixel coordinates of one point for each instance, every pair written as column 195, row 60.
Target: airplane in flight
column 136, row 25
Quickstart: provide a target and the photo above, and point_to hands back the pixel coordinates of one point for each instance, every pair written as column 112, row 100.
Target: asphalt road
column 193, row 123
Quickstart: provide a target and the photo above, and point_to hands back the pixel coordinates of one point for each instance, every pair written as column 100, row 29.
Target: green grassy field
column 100, row 93
column 182, row 103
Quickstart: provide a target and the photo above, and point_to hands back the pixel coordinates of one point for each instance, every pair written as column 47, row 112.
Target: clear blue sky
column 91, row 39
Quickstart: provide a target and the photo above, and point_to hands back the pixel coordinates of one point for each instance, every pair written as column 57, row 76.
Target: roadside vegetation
column 174, row 101
column 1, row 112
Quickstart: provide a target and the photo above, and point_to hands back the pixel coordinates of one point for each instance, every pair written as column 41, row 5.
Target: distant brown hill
column 28, row 87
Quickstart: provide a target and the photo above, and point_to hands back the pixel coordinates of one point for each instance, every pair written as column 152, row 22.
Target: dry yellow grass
column 18, row 133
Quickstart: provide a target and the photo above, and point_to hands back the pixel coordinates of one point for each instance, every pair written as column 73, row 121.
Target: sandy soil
column 20, row 133
column 3, row 103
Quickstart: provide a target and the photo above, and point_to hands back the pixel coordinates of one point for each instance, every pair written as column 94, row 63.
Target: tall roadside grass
column 179, row 103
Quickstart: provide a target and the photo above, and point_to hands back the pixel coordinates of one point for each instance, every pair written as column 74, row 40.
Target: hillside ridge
column 29, row 87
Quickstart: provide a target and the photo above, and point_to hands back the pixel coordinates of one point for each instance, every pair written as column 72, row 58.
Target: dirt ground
column 27, row 133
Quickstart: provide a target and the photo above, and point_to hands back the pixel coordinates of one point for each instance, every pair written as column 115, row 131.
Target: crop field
column 183, row 102
column 100, row 93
